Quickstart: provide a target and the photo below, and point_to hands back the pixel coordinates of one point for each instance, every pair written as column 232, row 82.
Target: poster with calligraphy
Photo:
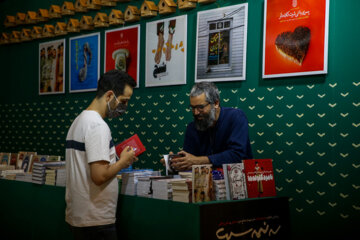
column 221, row 44
column 122, row 47
column 84, row 62
column 166, row 46
column 295, row 38
column 52, row 67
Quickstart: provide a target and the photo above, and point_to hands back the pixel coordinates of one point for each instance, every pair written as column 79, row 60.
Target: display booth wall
column 309, row 126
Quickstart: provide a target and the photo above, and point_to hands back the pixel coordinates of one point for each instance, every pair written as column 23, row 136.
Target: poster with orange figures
column 295, row 38
column 166, row 52
column 122, row 50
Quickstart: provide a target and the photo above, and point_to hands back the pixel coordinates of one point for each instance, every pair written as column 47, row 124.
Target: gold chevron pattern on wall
column 313, row 141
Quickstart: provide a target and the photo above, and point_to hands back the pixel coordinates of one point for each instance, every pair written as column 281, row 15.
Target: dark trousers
column 103, row 232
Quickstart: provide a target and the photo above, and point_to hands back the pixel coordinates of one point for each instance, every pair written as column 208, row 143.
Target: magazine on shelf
column 259, row 178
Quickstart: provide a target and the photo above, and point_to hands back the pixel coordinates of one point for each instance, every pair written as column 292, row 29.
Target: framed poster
column 295, row 38
column 221, row 44
column 84, row 62
column 52, row 67
column 166, row 52
column 122, row 47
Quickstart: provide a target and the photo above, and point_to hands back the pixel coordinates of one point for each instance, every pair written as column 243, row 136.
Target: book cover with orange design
column 295, row 37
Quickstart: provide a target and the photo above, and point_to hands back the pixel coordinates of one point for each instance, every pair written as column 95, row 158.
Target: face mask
column 118, row 111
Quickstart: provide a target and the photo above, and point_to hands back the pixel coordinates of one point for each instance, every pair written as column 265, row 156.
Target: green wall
column 309, row 125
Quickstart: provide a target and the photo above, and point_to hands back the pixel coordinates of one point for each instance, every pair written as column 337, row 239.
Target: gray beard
column 208, row 121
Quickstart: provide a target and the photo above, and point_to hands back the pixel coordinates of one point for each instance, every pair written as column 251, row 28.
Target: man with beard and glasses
column 91, row 161
column 217, row 135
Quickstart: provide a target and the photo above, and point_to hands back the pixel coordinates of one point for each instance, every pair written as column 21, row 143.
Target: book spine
column 226, row 179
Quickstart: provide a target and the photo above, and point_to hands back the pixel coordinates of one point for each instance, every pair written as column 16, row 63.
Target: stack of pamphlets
column 161, row 188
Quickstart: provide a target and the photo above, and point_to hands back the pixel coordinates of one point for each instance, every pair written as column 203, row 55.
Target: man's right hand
column 127, row 156
column 163, row 160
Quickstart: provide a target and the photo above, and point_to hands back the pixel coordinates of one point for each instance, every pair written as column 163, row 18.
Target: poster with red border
column 295, row 38
column 122, row 50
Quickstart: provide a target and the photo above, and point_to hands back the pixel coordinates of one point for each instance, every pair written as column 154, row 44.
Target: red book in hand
column 133, row 141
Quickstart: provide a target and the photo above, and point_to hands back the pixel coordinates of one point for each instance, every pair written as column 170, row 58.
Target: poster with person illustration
column 166, row 46
column 295, row 38
column 122, row 50
column 84, row 62
column 221, row 44
column 52, row 67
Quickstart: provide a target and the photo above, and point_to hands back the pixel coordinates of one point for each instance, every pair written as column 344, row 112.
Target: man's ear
column 217, row 104
column 108, row 95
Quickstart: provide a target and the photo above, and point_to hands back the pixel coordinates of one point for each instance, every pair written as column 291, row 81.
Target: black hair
column 114, row 80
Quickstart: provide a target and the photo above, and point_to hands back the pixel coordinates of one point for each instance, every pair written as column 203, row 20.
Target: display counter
column 31, row 211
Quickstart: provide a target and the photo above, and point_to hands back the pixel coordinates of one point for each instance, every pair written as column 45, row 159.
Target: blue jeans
column 103, row 232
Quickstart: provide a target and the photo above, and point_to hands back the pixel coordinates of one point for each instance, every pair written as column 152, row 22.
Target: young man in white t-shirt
column 91, row 161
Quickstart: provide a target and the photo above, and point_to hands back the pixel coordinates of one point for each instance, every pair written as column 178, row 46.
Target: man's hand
column 102, row 171
column 163, row 160
column 185, row 163
column 127, row 156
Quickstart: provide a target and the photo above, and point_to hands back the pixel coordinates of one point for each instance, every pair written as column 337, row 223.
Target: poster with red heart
column 122, row 47
column 295, row 38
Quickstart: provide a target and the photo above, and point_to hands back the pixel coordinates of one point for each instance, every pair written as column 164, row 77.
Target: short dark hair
column 211, row 91
column 114, row 80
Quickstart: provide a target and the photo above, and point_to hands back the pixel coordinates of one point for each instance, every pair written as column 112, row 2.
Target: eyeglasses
column 200, row 108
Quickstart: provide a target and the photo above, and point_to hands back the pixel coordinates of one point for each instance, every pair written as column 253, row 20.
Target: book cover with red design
column 295, row 37
column 133, row 141
column 260, row 180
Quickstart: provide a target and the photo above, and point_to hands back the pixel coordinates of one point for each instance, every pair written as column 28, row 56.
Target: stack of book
column 39, row 170
column 10, row 174
column 181, row 190
column 130, row 180
column 23, row 177
column 161, row 188
column 50, row 176
column 187, row 175
column 143, row 187
column 6, row 167
column 60, row 177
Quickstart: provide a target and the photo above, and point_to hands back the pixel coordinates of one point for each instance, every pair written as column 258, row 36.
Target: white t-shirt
column 89, row 140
